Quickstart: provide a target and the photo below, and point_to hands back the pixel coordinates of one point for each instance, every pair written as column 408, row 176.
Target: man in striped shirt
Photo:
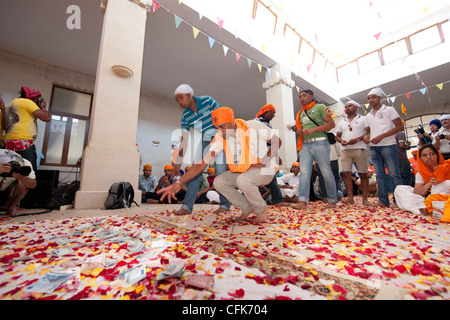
column 197, row 115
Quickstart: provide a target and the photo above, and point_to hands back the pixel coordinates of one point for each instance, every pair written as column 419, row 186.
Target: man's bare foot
column 300, row 206
column 348, row 201
column 330, row 205
column 380, row 204
column 365, row 202
column 261, row 217
column 220, row 210
column 282, row 204
column 243, row 216
column 14, row 211
column 181, row 212
column 152, row 201
column 424, row 211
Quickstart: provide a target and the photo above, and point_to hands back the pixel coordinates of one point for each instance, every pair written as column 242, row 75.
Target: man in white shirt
column 442, row 138
column 384, row 123
column 350, row 133
column 248, row 159
column 289, row 184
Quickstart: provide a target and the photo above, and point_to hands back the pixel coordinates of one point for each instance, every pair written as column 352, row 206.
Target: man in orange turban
column 147, row 184
column 248, row 158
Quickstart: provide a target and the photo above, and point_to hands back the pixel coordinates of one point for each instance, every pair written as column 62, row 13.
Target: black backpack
column 63, row 195
column 120, row 195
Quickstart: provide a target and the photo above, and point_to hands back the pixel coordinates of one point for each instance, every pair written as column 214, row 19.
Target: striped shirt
column 200, row 120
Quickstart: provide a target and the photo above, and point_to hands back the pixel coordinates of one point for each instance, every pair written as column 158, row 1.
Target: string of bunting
column 211, row 40
column 238, row 55
column 391, row 99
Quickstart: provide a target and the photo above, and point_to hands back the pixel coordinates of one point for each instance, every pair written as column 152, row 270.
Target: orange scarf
column 298, row 124
column 425, row 171
column 246, row 158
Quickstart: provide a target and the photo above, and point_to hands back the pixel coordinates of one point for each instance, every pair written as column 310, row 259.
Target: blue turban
column 436, row 122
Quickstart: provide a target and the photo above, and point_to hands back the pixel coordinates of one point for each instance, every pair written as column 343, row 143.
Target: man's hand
column 170, row 192
column 5, row 167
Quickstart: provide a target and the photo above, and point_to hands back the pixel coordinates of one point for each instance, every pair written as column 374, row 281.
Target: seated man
column 249, row 167
column 16, row 178
column 289, row 184
column 147, row 184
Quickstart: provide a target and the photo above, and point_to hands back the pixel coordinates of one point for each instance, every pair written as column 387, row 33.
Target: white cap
column 353, row 102
column 376, row 91
column 445, row 117
column 184, row 89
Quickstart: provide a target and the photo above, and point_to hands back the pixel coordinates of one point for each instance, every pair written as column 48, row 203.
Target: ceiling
column 172, row 56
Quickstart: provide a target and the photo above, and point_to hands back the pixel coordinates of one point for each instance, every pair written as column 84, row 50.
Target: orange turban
column 222, row 115
column 168, row 167
column 296, row 164
column 267, row 107
column 187, row 168
column 147, row 167
column 210, row 169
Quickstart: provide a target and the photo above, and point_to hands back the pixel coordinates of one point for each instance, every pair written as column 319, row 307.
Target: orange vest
column 246, row 158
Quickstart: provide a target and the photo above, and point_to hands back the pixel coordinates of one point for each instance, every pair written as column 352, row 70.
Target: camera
column 442, row 136
column 424, row 139
column 17, row 168
column 39, row 102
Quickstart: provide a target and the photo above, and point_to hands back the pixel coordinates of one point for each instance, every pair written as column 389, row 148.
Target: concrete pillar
column 111, row 154
column 278, row 87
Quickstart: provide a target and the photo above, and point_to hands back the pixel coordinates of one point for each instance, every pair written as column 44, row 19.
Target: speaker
column 47, row 180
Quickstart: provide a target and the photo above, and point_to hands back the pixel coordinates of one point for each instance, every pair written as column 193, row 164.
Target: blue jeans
column 319, row 151
column 385, row 156
column 193, row 185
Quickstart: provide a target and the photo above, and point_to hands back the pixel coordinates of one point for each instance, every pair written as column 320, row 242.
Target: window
column 425, row 39
column 395, row 51
column 265, row 18
column 66, row 134
column 446, row 30
column 369, row 62
column 347, row 72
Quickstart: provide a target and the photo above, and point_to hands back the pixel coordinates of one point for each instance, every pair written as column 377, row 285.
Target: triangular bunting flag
column 426, row 9
column 377, row 36
column 178, row 20
column 238, row 56
column 408, row 95
column 423, row 90
column 259, row 67
column 180, row 1
column 440, row 85
column 156, row 6
column 200, row 16
column 403, row 109
column 225, row 50
column 308, row 67
column 220, row 22
column 269, row 71
column 264, row 48
column 211, row 42
column 249, row 62
column 196, row 31
column 393, row 99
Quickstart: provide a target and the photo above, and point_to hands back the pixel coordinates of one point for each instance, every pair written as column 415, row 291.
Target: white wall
column 159, row 117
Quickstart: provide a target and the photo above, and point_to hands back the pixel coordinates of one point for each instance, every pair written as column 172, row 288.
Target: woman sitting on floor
column 432, row 187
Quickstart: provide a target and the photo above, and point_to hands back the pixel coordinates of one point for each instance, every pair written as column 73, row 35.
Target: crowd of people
column 371, row 149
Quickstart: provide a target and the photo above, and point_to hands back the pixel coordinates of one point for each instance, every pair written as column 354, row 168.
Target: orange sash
column 246, row 158
column 298, row 124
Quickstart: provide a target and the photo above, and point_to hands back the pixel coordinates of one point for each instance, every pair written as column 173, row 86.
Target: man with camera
column 442, row 138
column 19, row 123
column 16, row 178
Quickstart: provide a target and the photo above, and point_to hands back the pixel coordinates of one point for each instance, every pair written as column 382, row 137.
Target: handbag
column 330, row 135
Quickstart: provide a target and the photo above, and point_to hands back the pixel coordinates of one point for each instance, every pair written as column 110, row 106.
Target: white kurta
column 409, row 201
